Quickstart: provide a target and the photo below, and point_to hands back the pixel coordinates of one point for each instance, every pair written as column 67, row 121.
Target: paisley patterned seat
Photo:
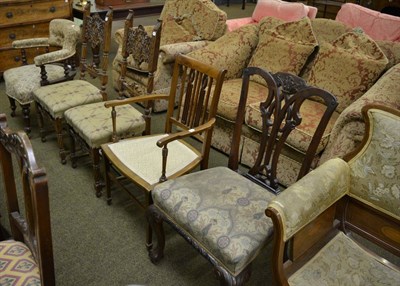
column 361, row 193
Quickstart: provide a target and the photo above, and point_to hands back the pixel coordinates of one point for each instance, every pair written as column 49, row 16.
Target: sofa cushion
column 391, row 51
column 231, row 51
column 178, row 29
column 268, row 23
column 300, row 138
column 327, row 30
column 286, row 11
column 285, row 48
column 348, row 67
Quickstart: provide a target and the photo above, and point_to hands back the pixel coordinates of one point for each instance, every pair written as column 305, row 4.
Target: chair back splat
column 32, row 230
column 281, row 114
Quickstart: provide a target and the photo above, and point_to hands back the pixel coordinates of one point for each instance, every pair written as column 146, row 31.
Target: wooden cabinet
column 23, row 19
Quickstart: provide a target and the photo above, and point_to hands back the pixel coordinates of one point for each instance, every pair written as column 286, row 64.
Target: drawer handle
column 12, row 36
column 52, row 9
column 17, row 59
column 9, row 15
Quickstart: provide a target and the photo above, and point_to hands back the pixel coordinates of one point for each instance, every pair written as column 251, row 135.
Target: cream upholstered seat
column 26, row 258
column 360, row 197
column 54, row 100
column 48, row 68
column 148, row 160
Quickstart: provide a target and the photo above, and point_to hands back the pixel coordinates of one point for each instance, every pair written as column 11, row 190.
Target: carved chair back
column 143, row 49
column 96, row 41
column 33, row 228
column 280, row 116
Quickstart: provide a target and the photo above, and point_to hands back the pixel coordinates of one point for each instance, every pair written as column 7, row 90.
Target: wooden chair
column 220, row 211
column 54, row 100
column 151, row 159
column 56, row 63
column 90, row 125
column 316, row 216
column 27, row 258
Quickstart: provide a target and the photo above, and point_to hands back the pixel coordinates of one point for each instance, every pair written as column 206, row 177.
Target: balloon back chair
column 151, row 159
column 91, row 125
column 220, row 211
column 27, row 258
column 317, row 216
column 54, row 100
column 48, row 68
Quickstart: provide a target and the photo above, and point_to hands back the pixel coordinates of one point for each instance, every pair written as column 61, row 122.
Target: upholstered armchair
column 360, row 195
column 184, row 29
column 56, row 65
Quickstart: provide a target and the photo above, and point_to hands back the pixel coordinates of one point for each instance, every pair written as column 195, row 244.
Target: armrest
column 53, row 57
column 30, row 43
column 303, row 201
column 169, row 52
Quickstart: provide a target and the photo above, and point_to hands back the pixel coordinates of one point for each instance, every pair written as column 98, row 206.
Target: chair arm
column 170, row 51
column 53, row 57
column 186, row 133
column 303, row 201
column 30, row 43
column 118, row 102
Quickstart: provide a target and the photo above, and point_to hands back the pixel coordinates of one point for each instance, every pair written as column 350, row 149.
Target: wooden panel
column 10, row 34
column 34, row 11
column 12, row 57
column 118, row 2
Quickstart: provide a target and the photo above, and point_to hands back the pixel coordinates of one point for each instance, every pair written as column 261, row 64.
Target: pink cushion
column 378, row 26
column 288, row 11
column 233, row 24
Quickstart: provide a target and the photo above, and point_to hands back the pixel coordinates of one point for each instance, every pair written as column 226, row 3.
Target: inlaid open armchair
column 319, row 213
column 220, row 211
column 56, row 64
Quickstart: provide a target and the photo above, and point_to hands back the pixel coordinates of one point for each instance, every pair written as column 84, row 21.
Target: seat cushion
column 300, row 138
column 343, row 262
column 17, row 266
column 143, row 157
column 22, row 81
column 58, row 98
column 93, row 122
column 222, row 211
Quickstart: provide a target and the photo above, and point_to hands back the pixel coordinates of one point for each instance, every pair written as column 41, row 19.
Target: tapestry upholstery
column 220, row 210
column 348, row 67
column 68, row 94
column 93, row 123
column 17, row 265
column 375, row 171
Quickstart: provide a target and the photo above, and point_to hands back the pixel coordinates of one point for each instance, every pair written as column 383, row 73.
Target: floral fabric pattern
column 221, row 210
column 348, row 67
column 375, row 171
column 17, row 265
column 343, row 262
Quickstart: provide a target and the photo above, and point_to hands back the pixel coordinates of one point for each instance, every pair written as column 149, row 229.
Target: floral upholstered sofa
column 186, row 25
column 327, row 54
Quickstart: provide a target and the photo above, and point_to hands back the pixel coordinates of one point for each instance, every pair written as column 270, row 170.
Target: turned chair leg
column 13, row 106
column 155, row 220
column 107, row 169
column 39, row 111
column 26, row 110
column 98, row 181
column 60, row 141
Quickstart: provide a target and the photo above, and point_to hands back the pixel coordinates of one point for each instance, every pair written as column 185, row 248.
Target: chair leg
column 107, row 169
column 226, row 279
column 26, row 110
column 39, row 111
column 13, row 106
column 60, row 141
column 155, row 220
column 98, row 182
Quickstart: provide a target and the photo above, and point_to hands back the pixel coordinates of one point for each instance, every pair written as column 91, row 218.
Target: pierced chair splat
column 92, row 125
column 220, row 211
column 54, row 100
column 56, row 64
column 148, row 160
column 31, row 242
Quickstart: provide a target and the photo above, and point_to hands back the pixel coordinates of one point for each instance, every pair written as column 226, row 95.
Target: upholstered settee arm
column 54, row 57
column 170, row 51
column 349, row 127
column 30, row 43
column 303, row 201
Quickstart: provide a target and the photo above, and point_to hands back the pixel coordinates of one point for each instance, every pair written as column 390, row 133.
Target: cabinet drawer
column 33, row 11
column 10, row 34
column 11, row 58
